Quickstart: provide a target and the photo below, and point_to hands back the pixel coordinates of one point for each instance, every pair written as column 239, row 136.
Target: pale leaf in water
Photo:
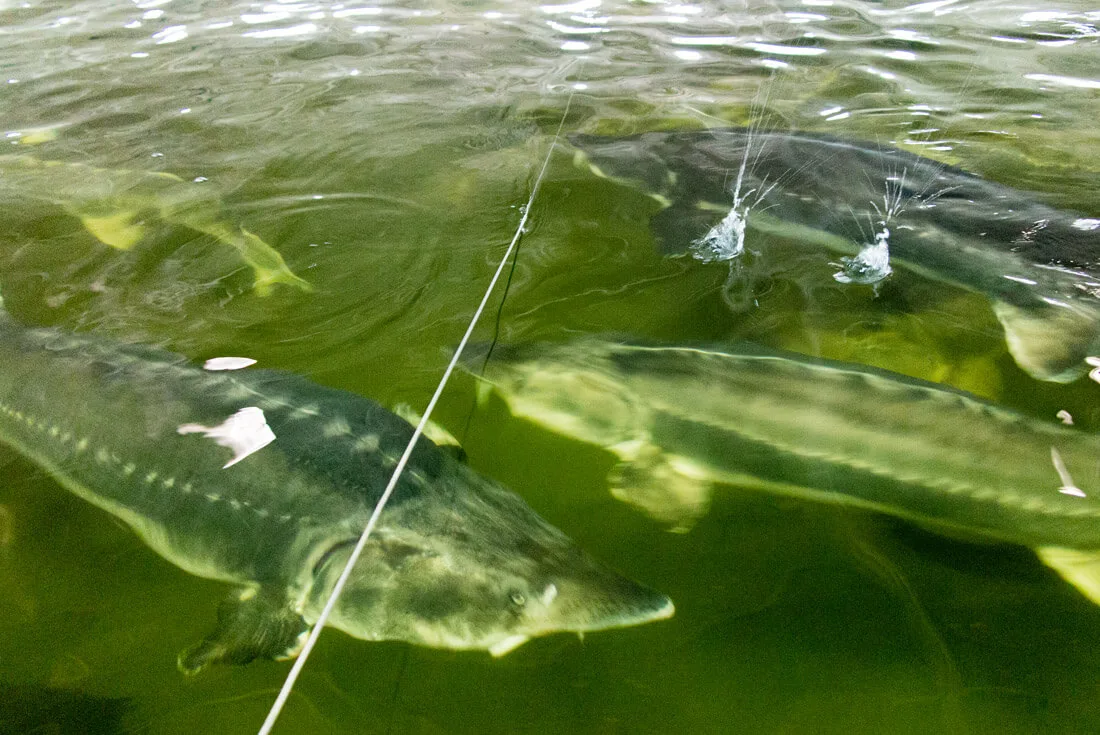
column 244, row 432
column 228, row 363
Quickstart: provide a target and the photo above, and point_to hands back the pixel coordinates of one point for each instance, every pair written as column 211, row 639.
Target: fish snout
column 597, row 598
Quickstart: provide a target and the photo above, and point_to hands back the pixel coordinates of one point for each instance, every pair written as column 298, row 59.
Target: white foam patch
column 870, row 265
column 245, row 432
column 723, row 242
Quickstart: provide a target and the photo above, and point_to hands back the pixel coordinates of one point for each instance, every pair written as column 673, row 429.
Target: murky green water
column 385, row 150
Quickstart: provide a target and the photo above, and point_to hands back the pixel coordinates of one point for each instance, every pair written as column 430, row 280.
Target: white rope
column 315, row 632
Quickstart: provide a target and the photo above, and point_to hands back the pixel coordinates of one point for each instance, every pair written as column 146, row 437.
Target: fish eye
column 518, row 598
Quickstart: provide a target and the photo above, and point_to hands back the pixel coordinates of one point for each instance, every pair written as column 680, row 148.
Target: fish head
column 573, row 389
column 470, row 566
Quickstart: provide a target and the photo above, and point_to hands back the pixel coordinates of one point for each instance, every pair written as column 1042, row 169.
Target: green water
column 385, row 152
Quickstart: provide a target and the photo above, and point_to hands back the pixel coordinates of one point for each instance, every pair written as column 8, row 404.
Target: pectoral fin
column 439, row 436
column 251, row 625
column 117, row 229
column 663, row 486
column 1050, row 342
column 1079, row 568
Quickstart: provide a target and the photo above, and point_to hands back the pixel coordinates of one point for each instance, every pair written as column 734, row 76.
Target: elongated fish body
column 1037, row 264
column 264, row 480
column 112, row 204
column 682, row 419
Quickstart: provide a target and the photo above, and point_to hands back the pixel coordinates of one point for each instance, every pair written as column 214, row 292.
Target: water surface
column 385, row 151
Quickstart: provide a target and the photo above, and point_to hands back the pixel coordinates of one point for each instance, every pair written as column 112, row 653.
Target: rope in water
column 315, row 631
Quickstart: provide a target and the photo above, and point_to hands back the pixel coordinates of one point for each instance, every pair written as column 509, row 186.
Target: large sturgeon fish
column 1040, row 266
column 682, row 419
column 264, row 480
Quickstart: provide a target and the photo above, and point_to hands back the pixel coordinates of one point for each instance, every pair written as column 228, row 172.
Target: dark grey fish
column 1040, row 266
column 264, row 480
column 681, row 420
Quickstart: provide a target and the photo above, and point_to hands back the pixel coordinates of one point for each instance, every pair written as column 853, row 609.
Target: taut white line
column 315, row 631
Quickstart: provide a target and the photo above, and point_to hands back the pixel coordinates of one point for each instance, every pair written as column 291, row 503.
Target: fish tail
column 267, row 264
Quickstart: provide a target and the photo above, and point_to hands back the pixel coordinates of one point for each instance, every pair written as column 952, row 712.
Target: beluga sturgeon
column 879, row 206
column 681, row 420
column 264, row 480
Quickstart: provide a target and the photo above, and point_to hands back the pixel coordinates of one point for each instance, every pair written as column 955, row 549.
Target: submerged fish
column 1040, row 266
column 683, row 419
column 111, row 204
column 264, row 480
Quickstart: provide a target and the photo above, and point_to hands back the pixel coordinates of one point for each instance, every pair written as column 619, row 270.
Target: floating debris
column 245, row 432
column 228, row 363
